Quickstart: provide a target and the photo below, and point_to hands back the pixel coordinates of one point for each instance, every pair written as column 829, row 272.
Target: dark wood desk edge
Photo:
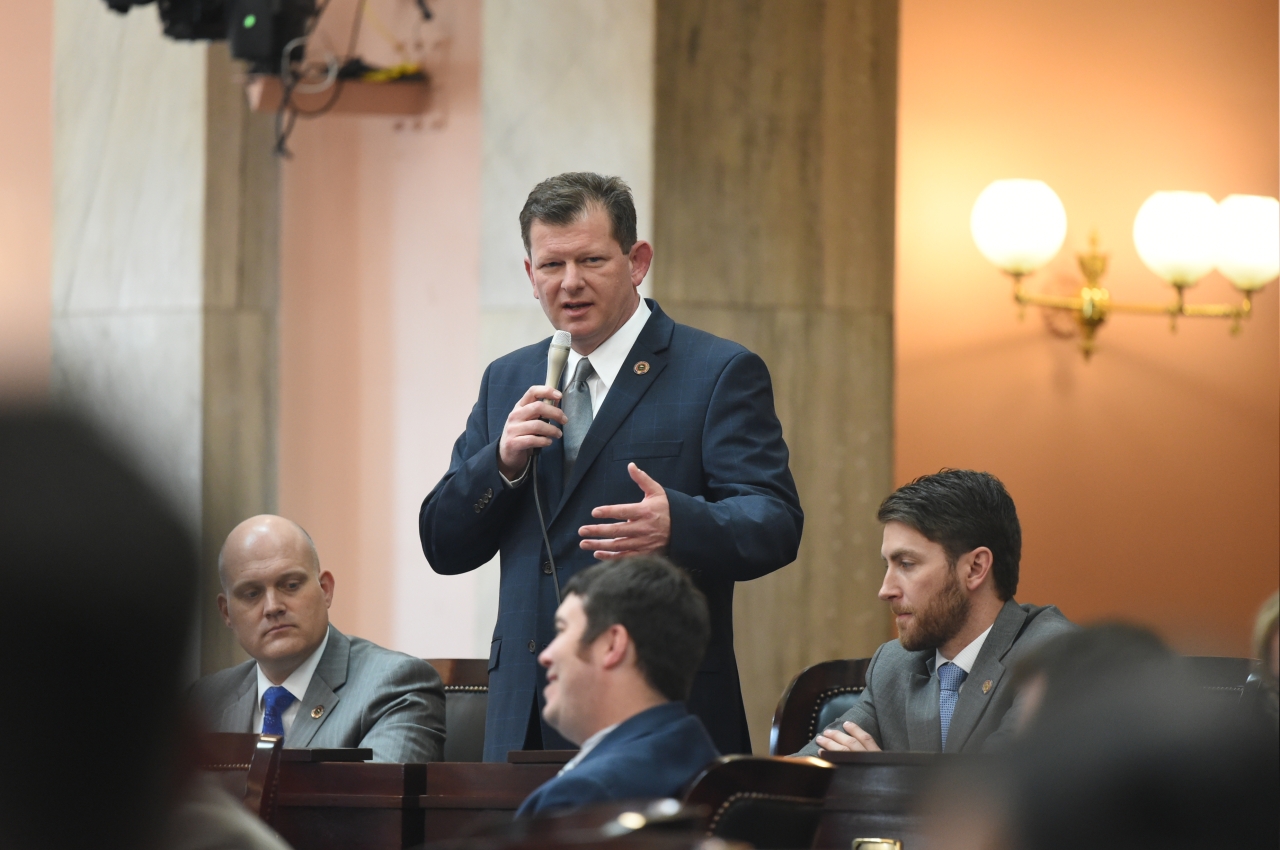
column 348, row 801
column 450, row 801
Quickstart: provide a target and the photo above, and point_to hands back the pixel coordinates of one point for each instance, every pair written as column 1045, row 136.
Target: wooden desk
column 463, row 798
column 874, row 795
column 350, row 805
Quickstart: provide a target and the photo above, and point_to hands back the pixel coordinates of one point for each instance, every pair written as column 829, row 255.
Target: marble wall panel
column 773, row 204
column 164, row 269
column 129, row 141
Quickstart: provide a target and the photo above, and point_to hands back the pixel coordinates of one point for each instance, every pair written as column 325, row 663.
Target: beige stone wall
column 164, row 270
column 774, row 213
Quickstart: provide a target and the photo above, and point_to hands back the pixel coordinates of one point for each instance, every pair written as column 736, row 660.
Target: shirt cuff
column 519, row 482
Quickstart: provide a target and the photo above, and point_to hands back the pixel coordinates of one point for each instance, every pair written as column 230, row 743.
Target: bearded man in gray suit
column 952, row 543
column 308, row 681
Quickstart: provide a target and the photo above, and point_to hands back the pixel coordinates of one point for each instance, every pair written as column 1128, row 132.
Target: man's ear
column 528, row 270
column 222, row 609
column 976, row 568
column 613, row 643
column 640, row 257
column 326, row 584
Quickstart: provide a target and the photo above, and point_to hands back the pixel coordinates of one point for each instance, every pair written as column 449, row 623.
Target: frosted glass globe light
column 1176, row 234
column 1249, row 240
column 1018, row 225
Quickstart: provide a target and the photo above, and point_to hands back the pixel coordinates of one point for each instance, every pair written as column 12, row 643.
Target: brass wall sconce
column 1020, row 225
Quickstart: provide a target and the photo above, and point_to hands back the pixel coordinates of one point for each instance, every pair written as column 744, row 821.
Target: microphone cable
column 542, row 523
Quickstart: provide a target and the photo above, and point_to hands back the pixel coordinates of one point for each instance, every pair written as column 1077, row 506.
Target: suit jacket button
column 488, row 493
column 533, row 647
column 546, row 567
column 479, row 507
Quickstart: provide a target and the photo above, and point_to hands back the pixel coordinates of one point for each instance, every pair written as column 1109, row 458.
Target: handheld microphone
column 557, row 356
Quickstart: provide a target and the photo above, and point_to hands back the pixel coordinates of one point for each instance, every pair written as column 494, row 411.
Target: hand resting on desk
column 852, row 740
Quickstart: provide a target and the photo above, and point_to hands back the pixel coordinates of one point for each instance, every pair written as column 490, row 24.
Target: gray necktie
column 577, row 406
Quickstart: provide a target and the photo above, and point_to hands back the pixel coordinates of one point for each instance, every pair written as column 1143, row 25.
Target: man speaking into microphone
column 660, row 438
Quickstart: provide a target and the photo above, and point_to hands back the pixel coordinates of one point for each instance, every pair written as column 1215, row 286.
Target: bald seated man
column 308, row 681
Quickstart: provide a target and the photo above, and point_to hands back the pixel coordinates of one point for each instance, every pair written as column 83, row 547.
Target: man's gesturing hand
column 851, row 740
column 645, row 526
column 525, row 429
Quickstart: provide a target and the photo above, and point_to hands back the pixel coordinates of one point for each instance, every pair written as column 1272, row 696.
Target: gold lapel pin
column 319, row 709
column 641, row 367
column 986, row 686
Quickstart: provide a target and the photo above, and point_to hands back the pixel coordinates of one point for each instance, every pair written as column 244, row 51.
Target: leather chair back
column 768, row 802
column 247, row 765
column 466, row 700
column 813, row 700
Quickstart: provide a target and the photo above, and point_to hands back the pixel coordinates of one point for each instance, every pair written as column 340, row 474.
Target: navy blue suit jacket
column 700, row 420
column 654, row 754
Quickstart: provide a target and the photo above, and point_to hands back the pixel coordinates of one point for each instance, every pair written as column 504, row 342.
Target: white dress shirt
column 297, row 683
column 964, row 658
column 587, row 746
column 607, row 361
column 609, row 356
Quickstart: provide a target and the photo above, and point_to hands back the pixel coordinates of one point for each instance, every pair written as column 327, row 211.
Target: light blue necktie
column 950, row 676
column 274, row 703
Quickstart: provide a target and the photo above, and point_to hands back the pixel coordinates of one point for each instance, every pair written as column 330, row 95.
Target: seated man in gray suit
column 951, row 547
column 308, row 681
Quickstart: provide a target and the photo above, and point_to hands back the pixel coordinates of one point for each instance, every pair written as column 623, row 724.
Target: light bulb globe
column 1249, row 240
column 1019, row 225
column 1176, row 234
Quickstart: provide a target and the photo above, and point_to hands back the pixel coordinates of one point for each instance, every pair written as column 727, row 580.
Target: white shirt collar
column 609, row 356
column 587, row 745
column 299, row 680
column 964, row 658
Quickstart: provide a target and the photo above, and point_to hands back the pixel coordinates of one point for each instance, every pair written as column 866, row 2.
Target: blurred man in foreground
column 952, row 544
column 629, row 639
column 308, row 681
column 99, row 585
column 1122, row 747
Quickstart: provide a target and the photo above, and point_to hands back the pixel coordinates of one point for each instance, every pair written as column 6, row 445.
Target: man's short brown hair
column 562, row 199
column 662, row 611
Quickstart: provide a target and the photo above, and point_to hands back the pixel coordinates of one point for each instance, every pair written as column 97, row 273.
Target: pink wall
column 1148, row 480
column 26, row 194
column 379, row 319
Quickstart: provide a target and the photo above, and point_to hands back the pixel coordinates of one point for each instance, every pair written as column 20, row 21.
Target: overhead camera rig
column 257, row 31
column 271, row 36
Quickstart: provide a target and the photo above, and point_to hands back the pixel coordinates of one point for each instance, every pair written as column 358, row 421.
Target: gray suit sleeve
column 863, row 712
column 407, row 714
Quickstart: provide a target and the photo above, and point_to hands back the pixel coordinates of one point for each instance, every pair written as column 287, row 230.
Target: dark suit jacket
column 367, row 696
column 656, row 753
column 700, row 420
column 899, row 707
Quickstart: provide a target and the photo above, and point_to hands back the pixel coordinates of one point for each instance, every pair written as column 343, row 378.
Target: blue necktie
column 950, row 677
column 274, row 702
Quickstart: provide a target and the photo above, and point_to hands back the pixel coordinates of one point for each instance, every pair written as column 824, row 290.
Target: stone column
column 774, row 223
column 165, row 269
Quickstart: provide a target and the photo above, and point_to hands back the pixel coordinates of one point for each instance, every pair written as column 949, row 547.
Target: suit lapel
column 238, row 715
column 924, row 724
column 321, row 696
column 974, row 698
column 627, row 390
